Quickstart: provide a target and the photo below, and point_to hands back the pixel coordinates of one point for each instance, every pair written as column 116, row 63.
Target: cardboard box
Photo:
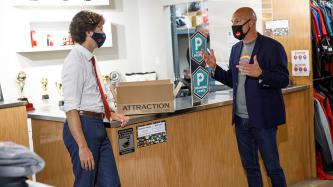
column 144, row 97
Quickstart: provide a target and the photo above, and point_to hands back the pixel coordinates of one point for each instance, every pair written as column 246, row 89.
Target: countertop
column 36, row 184
column 183, row 105
column 11, row 103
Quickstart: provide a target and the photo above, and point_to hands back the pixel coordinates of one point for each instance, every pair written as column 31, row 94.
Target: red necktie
column 105, row 102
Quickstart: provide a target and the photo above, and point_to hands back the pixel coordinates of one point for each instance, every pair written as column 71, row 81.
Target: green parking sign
column 200, row 82
column 198, row 43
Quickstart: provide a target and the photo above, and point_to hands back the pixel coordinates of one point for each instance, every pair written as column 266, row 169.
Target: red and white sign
column 300, row 63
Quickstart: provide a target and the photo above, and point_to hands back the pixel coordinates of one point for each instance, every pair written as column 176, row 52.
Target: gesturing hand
column 209, row 58
column 252, row 70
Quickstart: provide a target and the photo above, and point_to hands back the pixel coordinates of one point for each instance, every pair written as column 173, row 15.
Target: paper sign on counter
column 151, row 134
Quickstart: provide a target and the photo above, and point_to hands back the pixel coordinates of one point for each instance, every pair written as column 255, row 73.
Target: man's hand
column 74, row 124
column 120, row 117
column 86, row 158
column 209, row 58
column 252, row 70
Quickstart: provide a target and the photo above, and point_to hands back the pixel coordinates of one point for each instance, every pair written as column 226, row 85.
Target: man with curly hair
column 86, row 107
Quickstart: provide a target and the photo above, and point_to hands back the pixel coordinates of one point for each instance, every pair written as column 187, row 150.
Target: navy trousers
column 105, row 173
column 249, row 141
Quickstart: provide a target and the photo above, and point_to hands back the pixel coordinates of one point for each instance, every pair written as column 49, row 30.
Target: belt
column 92, row 114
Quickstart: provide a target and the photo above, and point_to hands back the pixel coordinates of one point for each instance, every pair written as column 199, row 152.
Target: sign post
column 199, row 75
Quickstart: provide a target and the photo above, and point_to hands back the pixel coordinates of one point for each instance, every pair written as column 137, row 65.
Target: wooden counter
column 13, row 123
column 201, row 150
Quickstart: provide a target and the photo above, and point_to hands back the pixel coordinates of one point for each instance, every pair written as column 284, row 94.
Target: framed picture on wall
column 1, row 96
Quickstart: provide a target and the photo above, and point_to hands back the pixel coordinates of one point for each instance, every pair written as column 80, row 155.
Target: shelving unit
column 58, row 3
column 52, row 28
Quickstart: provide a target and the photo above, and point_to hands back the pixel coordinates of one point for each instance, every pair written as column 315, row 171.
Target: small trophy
column 59, row 89
column 44, row 83
column 1, row 96
column 105, row 79
column 20, row 79
column 115, row 77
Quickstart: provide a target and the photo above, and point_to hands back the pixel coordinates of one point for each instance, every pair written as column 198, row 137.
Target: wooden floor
column 314, row 183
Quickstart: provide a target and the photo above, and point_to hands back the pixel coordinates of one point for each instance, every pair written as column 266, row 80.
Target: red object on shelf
column 29, row 106
column 32, row 36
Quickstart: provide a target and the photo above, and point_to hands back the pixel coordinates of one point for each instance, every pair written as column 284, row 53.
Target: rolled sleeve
column 72, row 81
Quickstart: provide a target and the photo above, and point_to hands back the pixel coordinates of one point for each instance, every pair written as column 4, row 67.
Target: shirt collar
column 84, row 51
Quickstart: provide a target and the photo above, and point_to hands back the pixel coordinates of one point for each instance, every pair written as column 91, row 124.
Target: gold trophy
column 44, row 83
column 59, row 89
column 20, row 79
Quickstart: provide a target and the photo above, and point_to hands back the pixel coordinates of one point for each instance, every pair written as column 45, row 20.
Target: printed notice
column 277, row 27
column 125, row 141
column 300, row 63
column 151, row 134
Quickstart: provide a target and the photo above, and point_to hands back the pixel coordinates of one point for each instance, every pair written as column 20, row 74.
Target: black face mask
column 99, row 38
column 237, row 30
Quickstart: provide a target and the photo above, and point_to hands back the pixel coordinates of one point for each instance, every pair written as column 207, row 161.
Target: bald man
column 257, row 73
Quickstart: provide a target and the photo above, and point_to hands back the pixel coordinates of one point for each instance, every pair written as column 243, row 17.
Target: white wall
column 124, row 56
column 220, row 13
column 156, row 33
column 155, row 38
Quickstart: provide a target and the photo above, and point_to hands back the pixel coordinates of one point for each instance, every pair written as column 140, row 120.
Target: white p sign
column 198, row 43
column 200, row 78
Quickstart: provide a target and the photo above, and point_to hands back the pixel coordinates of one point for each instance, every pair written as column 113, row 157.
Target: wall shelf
column 58, row 3
column 57, row 33
column 45, row 49
column 49, row 49
column 185, row 31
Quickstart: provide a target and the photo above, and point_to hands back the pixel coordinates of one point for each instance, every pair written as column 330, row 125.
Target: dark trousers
column 105, row 173
column 249, row 141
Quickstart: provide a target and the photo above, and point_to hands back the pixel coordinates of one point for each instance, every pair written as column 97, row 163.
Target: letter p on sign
column 198, row 43
column 200, row 78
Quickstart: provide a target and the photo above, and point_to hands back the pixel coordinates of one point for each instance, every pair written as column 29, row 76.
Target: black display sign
column 126, row 141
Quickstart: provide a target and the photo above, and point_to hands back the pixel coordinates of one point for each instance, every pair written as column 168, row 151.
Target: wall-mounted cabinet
column 59, row 3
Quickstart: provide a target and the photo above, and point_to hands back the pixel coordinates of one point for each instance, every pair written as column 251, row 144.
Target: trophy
column 105, row 79
column 21, row 82
column 115, row 77
column 59, row 90
column 1, row 96
column 44, row 83
column 20, row 79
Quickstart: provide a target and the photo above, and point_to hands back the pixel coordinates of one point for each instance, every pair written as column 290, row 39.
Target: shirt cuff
column 213, row 71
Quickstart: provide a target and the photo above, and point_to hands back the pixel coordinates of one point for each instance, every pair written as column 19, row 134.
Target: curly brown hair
column 83, row 22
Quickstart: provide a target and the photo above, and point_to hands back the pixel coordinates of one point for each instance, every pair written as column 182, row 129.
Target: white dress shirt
column 80, row 88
